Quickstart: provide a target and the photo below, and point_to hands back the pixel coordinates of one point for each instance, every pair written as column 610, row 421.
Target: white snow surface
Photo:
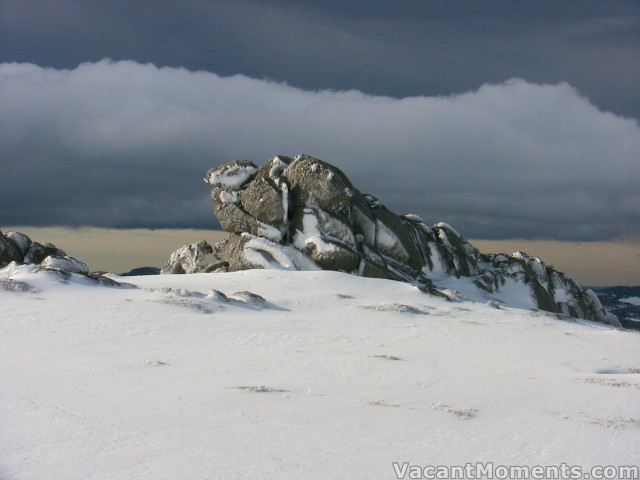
column 332, row 376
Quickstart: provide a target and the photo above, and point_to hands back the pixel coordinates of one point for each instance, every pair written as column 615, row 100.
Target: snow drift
column 285, row 375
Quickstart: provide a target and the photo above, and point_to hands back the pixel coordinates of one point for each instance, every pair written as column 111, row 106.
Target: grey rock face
column 248, row 200
column 9, row 251
column 315, row 183
column 39, row 251
column 21, row 240
column 303, row 213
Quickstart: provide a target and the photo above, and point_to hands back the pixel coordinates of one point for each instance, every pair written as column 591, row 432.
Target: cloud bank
column 122, row 144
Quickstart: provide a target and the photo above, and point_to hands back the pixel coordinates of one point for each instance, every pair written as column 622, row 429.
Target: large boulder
column 302, row 213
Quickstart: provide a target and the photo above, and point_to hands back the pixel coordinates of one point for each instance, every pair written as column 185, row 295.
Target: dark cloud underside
column 124, row 144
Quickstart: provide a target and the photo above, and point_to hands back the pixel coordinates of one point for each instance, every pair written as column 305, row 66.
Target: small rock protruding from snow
column 251, row 299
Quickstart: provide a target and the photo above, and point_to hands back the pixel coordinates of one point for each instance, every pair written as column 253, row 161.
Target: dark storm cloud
column 124, row 144
column 406, row 48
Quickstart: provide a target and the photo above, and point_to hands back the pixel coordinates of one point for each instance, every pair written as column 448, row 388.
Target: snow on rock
column 309, row 234
column 388, row 242
column 65, row 264
column 311, row 207
column 412, row 217
column 263, row 253
column 197, row 257
column 447, row 227
column 267, row 231
column 277, row 166
column 228, row 196
column 327, row 245
column 21, row 241
column 231, row 175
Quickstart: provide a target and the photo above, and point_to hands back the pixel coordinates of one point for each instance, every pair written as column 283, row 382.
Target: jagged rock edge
column 397, row 247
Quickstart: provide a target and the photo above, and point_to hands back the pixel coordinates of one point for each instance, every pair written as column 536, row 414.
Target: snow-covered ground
column 333, row 377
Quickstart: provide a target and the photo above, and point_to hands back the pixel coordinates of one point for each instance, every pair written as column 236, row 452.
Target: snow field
column 333, row 377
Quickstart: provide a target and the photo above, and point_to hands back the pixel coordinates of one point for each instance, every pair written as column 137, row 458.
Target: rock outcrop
column 18, row 253
column 17, row 247
column 302, row 213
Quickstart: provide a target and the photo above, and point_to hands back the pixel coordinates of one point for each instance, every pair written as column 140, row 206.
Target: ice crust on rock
column 302, row 214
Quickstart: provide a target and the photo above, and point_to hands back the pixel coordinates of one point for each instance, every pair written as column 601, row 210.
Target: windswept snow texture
column 276, row 374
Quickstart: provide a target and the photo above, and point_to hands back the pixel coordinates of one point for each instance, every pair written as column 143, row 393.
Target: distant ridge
column 623, row 302
column 141, row 271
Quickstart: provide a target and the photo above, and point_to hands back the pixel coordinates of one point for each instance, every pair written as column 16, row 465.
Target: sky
column 505, row 119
